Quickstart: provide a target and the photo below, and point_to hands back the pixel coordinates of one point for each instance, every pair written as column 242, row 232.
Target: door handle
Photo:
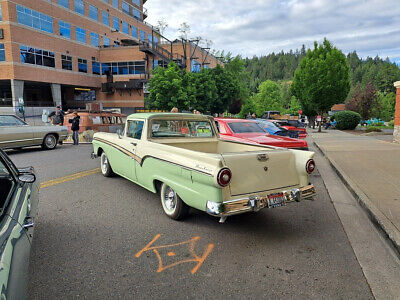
column 27, row 225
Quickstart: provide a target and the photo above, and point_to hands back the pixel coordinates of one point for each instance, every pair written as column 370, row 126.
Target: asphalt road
column 91, row 236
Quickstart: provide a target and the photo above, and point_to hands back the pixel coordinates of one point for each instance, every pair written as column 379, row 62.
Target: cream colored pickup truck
column 181, row 157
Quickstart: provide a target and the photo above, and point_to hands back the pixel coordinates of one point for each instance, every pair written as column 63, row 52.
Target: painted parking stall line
column 71, row 177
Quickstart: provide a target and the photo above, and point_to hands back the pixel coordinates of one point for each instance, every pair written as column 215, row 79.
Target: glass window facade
column 81, row 35
column 65, row 29
column 95, row 67
column 66, row 62
column 149, row 38
column 30, row 55
column 64, row 3
column 1, row 16
column 116, row 23
column 82, row 65
column 93, row 14
column 137, row 2
column 106, row 42
column 134, row 31
column 34, row 19
column 106, row 18
column 136, row 13
column 80, row 7
column 115, row 3
column 94, row 39
column 125, row 7
column 2, row 53
column 195, row 66
column 124, row 68
column 125, row 27
column 142, row 35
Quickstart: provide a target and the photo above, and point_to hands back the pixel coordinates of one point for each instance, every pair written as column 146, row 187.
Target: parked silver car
column 15, row 133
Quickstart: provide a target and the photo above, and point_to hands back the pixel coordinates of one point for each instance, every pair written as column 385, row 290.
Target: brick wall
column 396, row 133
column 397, row 114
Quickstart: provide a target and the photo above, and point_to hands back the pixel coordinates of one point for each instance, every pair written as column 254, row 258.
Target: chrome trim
column 255, row 203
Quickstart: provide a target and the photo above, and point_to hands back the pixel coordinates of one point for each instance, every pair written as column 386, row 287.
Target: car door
column 130, row 141
column 14, row 242
column 14, row 132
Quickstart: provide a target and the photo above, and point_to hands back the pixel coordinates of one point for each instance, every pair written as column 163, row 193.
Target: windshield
column 10, row 121
column 270, row 125
column 181, row 128
column 245, row 127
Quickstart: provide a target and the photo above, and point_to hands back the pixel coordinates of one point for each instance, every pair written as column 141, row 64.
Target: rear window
column 245, row 127
column 181, row 128
column 10, row 121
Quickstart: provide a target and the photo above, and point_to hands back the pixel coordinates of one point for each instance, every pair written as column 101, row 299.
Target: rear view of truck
column 259, row 179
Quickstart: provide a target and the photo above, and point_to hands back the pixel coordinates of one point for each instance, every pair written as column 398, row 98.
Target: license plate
column 276, row 200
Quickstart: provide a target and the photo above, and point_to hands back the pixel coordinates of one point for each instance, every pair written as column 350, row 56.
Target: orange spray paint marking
column 190, row 243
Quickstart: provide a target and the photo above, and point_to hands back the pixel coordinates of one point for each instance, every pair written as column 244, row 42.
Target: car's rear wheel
column 106, row 169
column 172, row 204
column 49, row 142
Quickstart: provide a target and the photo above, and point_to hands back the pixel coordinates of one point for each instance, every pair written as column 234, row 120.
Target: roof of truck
column 152, row 115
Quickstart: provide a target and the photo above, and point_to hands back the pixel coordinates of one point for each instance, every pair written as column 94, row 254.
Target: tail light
column 224, row 177
column 310, row 166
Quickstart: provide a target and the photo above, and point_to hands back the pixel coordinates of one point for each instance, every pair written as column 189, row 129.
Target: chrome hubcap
column 170, row 199
column 50, row 141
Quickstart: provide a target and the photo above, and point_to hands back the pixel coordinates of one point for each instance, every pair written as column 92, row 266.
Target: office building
column 74, row 52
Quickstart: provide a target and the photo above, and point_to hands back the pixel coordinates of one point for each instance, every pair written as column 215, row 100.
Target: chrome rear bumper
column 255, row 203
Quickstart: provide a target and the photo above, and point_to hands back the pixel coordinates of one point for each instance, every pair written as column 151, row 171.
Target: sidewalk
column 370, row 168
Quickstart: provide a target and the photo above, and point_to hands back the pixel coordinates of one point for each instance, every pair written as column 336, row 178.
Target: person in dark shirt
column 57, row 117
column 75, row 127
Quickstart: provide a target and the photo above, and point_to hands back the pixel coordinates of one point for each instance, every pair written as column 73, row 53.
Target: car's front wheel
column 172, row 204
column 106, row 169
column 49, row 142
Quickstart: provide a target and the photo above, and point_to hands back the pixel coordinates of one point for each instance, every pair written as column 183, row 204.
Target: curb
column 375, row 215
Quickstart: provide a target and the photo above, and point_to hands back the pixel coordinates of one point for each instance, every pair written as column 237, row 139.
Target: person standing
column 57, row 117
column 75, row 127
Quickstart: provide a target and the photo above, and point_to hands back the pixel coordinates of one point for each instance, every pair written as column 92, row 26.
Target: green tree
column 228, row 91
column 269, row 97
column 167, row 89
column 248, row 107
column 239, row 78
column 206, row 91
column 385, row 106
column 294, row 106
column 322, row 78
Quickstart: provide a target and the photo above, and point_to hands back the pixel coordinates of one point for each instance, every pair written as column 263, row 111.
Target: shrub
column 372, row 128
column 391, row 123
column 347, row 120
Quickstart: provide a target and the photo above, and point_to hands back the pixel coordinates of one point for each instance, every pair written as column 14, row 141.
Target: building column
column 56, row 93
column 17, row 91
column 396, row 133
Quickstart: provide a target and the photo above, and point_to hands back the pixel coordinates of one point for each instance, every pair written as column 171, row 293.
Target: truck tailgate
column 254, row 172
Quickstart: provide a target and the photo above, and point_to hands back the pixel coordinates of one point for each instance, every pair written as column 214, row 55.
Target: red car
column 248, row 131
column 286, row 125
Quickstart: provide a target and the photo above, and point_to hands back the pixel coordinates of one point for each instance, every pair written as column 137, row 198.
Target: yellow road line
column 75, row 176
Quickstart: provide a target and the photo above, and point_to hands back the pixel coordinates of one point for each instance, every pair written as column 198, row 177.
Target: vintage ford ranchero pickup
column 181, row 157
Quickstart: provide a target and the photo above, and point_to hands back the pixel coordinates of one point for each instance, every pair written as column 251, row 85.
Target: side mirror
column 119, row 133
column 27, row 178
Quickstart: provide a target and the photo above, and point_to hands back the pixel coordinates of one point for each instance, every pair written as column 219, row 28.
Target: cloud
column 257, row 27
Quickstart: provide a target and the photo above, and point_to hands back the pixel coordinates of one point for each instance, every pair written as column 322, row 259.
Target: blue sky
column 257, row 27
